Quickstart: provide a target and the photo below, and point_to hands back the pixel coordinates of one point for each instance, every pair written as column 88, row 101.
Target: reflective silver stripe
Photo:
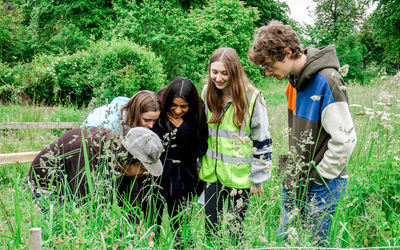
column 223, row 133
column 228, row 158
column 264, row 150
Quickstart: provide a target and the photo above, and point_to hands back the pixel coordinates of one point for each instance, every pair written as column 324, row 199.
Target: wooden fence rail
column 22, row 157
column 41, row 125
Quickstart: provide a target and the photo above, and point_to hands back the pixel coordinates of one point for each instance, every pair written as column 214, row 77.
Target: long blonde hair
column 238, row 86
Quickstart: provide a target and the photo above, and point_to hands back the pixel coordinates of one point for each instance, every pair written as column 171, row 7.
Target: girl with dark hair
column 183, row 128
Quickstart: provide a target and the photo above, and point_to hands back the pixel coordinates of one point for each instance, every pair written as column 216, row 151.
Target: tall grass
column 367, row 215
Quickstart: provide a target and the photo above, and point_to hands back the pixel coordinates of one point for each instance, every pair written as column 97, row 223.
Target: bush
column 124, row 68
column 66, row 26
column 13, row 34
column 7, row 88
column 350, row 51
column 104, row 71
column 154, row 24
column 221, row 23
column 185, row 41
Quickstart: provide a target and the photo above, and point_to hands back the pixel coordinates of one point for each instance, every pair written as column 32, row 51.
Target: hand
column 256, row 190
column 176, row 121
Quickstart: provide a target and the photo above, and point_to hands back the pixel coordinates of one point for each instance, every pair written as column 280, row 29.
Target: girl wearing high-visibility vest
column 238, row 159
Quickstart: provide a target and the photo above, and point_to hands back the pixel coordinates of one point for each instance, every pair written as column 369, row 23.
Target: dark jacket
column 182, row 148
column 322, row 136
column 63, row 162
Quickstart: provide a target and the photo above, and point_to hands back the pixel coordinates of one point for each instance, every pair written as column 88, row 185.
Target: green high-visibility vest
column 229, row 152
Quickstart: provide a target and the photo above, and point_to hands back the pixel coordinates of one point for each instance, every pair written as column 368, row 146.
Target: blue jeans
column 319, row 209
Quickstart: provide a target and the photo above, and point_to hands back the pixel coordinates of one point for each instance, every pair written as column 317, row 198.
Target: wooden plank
column 18, row 157
column 40, row 125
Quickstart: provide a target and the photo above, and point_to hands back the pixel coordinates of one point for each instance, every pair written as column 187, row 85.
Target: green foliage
column 203, row 34
column 350, row 51
column 104, row 71
column 367, row 215
column 386, row 31
column 66, row 26
column 153, row 24
column 185, row 41
column 336, row 17
column 6, row 83
column 123, row 68
column 269, row 10
column 374, row 52
column 13, row 34
column 336, row 22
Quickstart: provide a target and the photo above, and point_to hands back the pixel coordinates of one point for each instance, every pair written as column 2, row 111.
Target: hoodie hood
column 317, row 60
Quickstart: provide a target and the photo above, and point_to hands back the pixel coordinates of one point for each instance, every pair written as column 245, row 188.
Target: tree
column 66, row 26
column 184, row 39
column 386, row 31
column 336, row 17
column 269, row 10
column 338, row 22
column 13, row 33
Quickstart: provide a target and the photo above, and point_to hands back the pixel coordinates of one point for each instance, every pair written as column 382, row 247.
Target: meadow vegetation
column 368, row 214
column 59, row 59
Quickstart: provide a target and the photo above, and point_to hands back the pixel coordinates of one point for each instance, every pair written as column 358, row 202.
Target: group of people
column 217, row 144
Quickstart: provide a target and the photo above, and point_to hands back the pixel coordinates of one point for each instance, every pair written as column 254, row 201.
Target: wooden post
column 35, row 238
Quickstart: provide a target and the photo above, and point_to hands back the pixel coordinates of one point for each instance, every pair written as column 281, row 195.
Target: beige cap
column 144, row 145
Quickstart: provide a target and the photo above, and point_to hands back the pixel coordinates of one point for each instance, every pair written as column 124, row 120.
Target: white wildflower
column 235, row 136
column 382, row 71
column 292, row 234
column 239, row 203
column 344, row 70
column 387, row 126
column 373, row 135
column 384, row 96
column 262, row 239
column 384, row 116
column 342, row 88
column 229, row 216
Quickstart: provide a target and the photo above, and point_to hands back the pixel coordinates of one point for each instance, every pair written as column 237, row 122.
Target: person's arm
column 262, row 146
column 106, row 116
column 337, row 122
